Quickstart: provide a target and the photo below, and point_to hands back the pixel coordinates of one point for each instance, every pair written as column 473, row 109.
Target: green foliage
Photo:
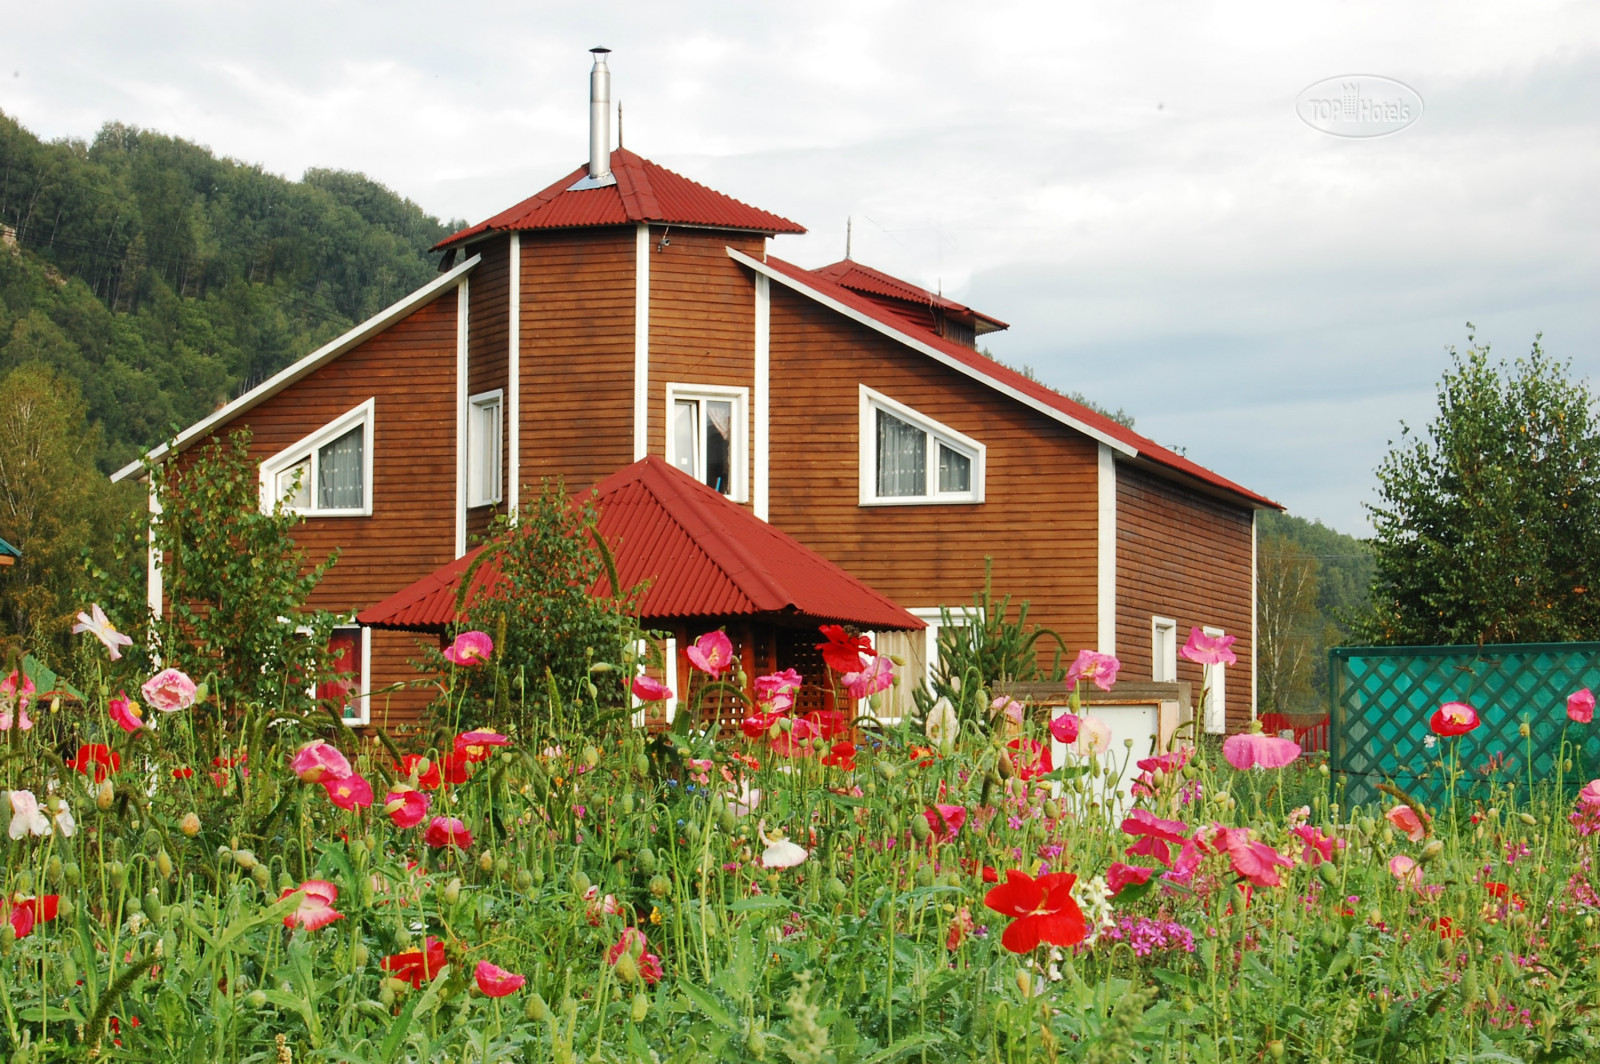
column 236, row 582
column 165, row 280
column 556, row 642
column 53, row 503
column 1487, row 522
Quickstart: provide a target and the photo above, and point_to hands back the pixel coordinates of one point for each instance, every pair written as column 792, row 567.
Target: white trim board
column 305, row 366
column 641, row 342
column 932, row 352
column 1106, row 553
column 761, row 421
column 462, row 301
column 513, row 407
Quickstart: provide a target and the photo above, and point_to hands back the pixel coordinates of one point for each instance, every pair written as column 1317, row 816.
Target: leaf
column 708, row 1005
column 759, row 903
column 901, row 1048
column 1176, row 980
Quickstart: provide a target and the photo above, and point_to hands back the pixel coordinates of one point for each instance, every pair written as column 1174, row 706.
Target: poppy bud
column 1023, row 984
column 591, row 756
column 1523, row 729
column 1528, row 819
column 386, row 997
column 190, row 824
column 8, row 938
column 645, row 861
column 580, row 883
column 70, row 873
column 1430, row 851
column 524, row 879
column 835, row 889
column 641, row 1007
column 452, row 891
column 627, row 804
column 360, row 955
column 164, row 863
column 256, row 999
column 626, row 968
column 756, row 1042
column 52, row 870
column 104, row 794
column 1326, row 873
column 1006, row 767
column 245, row 859
column 286, row 881
column 486, row 861
column 660, row 886
column 924, row 877
column 262, row 875
column 133, row 905
column 1492, row 994
column 536, row 1009
column 119, row 875
column 152, row 905
column 1275, row 1049
column 919, row 828
column 884, row 769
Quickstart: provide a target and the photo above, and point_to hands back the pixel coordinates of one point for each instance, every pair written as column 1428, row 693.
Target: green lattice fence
column 1382, row 698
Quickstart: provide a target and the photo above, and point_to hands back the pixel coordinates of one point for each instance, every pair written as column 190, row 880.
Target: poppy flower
column 453, row 767
column 349, row 792
column 469, row 649
column 1318, row 847
column 26, row 816
column 61, row 813
column 496, row 981
column 317, row 761
column 649, row 689
column 1064, row 728
column 877, row 675
column 1405, row 819
column 183, row 772
column 1203, row 649
column 1255, row 861
column 1099, row 669
column 474, row 745
column 1042, row 910
column 989, row 875
column 1406, row 870
column 779, row 852
column 125, row 713
column 169, row 691
column 406, row 806
column 422, row 771
column 1094, row 737
column 843, row 652
column 942, row 725
column 96, row 760
column 1255, row 750
column 1032, row 758
column 28, row 912
column 447, row 831
column 757, row 725
column 11, row 699
column 1154, row 833
column 1121, row 875
column 1453, row 718
column 316, row 907
column 775, row 691
column 945, row 820
column 633, row 942
column 842, row 756
column 712, row 653
column 1580, row 706
column 418, row 964
column 97, row 625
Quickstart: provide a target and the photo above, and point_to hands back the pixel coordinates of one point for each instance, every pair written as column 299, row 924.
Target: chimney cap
column 599, row 50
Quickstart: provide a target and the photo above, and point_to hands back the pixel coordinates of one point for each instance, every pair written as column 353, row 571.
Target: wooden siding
column 488, row 324
column 577, row 355
column 1187, row 556
column 702, row 319
column 409, row 369
column 1040, row 515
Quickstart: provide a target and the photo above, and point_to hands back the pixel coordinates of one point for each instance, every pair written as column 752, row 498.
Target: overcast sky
column 1128, row 185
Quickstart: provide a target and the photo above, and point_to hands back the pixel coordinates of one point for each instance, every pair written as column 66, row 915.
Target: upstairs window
column 908, row 458
column 484, row 440
column 706, row 435
column 327, row 474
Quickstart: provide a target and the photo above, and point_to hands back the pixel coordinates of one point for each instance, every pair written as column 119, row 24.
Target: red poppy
column 1121, row 875
column 843, row 755
column 1154, row 834
column 842, row 652
column 183, row 773
column 990, row 875
column 447, row 831
column 426, row 781
column 453, row 767
column 1443, row 926
column 417, row 965
column 1453, row 718
column 496, row 981
column 1032, row 758
column 1042, row 910
column 921, row 756
column 30, row 911
column 96, row 760
column 756, row 725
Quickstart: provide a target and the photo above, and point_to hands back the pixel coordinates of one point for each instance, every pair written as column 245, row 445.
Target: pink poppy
column 9, row 698
column 316, row 907
column 1099, row 669
column 1154, row 834
column 1405, row 820
column 497, row 982
column 945, row 820
column 447, row 831
column 350, row 791
column 775, row 691
column 1120, row 875
column 1318, row 847
column 169, row 691
column 125, row 712
column 1013, row 710
column 1453, row 718
column 875, row 677
column 1580, row 706
column 1206, row 649
column 649, row 689
column 844, row 652
column 1255, row 861
column 1064, row 729
column 469, row 649
column 474, row 745
column 712, row 653
column 317, row 761
column 406, row 806
column 102, row 629
column 1094, row 737
column 1253, row 749
column 1406, row 870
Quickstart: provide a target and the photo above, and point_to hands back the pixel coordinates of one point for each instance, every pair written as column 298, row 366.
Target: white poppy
column 780, row 852
column 942, row 725
column 26, row 818
column 66, row 827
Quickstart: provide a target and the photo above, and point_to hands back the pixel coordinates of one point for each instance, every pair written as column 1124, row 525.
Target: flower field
column 190, row 881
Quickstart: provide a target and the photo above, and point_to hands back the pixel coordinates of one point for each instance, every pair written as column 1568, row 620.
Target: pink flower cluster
column 1148, row 936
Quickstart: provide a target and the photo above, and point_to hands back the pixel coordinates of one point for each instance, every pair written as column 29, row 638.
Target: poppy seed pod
column 190, row 824
column 262, row 875
column 591, row 756
column 919, row 829
column 660, row 886
column 486, row 861
column 580, row 883
column 104, row 795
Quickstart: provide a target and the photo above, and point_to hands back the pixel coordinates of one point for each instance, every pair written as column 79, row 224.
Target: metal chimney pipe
column 599, row 117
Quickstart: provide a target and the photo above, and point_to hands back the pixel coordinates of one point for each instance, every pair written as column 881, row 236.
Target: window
column 706, row 435
column 1163, row 649
column 907, row 458
column 1216, row 693
column 483, row 448
column 351, row 647
column 327, row 474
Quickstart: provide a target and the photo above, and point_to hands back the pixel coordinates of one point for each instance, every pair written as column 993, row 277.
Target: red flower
column 1453, row 718
column 990, row 875
column 426, row 781
column 183, row 773
column 756, row 725
column 454, row 767
column 843, row 755
column 96, row 760
column 1443, row 926
column 474, row 745
column 496, row 981
column 447, row 831
column 1154, row 833
column 417, row 965
column 349, row 792
column 1032, row 758
column 842, row 652
column 1120, row 875
column 633, row 941
column 945, row 820
column 30, row 911
column 1042, row 910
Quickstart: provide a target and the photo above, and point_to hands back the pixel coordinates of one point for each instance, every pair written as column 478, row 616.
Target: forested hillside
column 164, row 280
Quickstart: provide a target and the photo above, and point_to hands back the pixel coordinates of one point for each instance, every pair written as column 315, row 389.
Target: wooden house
column 626, row 311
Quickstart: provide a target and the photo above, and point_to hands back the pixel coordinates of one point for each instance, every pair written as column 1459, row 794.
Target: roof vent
column 599, row 175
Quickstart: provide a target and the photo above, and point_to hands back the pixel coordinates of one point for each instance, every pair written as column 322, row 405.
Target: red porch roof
column 705, row 557
column 644, row 192
column 871, row 282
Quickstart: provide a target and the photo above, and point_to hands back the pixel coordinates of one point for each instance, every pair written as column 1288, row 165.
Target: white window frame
column 739, row 459
column 1163, row 649
column 936, row 433
column 1216, row 691
column 305, row 450
column 933, row 617
column 475, row 446
column 362, row 699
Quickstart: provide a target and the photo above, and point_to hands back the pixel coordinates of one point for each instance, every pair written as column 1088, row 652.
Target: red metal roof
column 705, row 557
column 868, row 281
column 1146, row 448
column 644, row 192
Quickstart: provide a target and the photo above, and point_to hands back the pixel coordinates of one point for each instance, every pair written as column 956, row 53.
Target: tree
column 1288, row 624
column 1488, row 524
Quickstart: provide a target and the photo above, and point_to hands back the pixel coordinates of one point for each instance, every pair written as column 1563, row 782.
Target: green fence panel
column 1382, row 697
